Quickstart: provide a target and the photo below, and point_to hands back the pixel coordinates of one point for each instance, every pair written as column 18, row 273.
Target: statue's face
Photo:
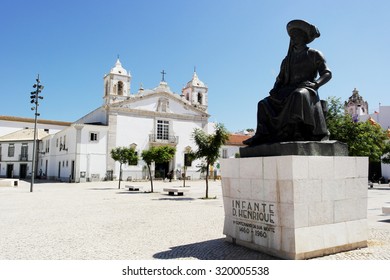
column 298, row 37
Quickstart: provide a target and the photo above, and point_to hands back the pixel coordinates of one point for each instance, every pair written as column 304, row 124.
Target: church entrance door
column 161, row 170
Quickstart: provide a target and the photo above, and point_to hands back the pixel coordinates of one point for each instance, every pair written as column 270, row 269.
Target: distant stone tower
column 356, row 106
column 116, row 84
column 196, row 93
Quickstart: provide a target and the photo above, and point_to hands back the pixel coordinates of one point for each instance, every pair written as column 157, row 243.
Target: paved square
column 94, row 221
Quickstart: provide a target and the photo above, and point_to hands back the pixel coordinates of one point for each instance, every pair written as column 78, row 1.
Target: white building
column 75, row 153
column 16, row 152
column 382, row 116
column 231, row 149
column 147, row 118
column 16, row 143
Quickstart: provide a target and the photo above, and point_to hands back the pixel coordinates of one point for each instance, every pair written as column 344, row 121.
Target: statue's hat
column 311, row 31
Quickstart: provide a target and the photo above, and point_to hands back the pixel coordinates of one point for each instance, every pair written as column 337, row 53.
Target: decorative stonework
column 356, row 106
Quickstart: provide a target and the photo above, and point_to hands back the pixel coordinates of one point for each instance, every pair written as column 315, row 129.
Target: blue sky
column 236, row 46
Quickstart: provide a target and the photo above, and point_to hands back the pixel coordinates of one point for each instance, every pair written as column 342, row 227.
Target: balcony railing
column 158, row 139
column 23, row 157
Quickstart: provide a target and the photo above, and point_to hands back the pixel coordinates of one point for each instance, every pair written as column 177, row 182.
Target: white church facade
column 80, row 151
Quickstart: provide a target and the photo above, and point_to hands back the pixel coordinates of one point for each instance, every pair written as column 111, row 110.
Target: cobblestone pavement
column 94, row 221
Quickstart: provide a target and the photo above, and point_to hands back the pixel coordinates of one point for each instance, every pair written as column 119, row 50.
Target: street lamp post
column 35, row 100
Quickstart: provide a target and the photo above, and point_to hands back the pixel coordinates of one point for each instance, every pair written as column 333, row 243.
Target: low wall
column 9, row 182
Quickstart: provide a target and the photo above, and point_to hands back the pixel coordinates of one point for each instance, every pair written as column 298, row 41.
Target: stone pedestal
column 296, row 207
column 298, row 148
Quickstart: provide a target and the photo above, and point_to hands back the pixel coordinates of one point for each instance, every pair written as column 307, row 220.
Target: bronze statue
column 293, row 110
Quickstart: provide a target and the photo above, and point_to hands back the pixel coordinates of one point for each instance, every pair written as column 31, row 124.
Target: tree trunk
column 207, row 180
column 184, row 177
column 151, row 179
column 120, row 176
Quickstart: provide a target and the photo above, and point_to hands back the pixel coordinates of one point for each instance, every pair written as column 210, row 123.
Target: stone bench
column 9, row 182
column 179, row 191
column 386, row 210
column 133, row 188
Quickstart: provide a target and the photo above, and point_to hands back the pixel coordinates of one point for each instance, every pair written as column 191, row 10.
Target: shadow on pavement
column 132, row 192
column 41, row 181
column 101, row 189
column 176, row 198
column 217, row 249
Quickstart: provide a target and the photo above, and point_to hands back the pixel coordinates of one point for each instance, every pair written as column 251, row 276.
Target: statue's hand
column 310, row 85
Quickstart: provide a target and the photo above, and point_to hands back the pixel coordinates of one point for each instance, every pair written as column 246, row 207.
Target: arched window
column 200, row 97
column 120, row 88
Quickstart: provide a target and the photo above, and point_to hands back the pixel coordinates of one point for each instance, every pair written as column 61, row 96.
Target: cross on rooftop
column 163, row 75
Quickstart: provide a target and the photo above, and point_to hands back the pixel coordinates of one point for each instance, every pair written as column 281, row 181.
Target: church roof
column 118, row 69
column 195, row 82
column 24, row 135
column 162, row 87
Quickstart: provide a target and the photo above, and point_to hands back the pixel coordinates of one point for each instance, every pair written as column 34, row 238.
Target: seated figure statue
column 293, row 110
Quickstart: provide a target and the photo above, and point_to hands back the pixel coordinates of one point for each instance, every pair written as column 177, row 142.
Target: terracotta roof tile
column 24, row 135
column 236, row 139
column 31, row 120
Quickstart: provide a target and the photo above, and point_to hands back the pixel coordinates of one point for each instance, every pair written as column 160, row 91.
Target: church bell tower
column 196, row 93
column 356, row 106
column 116, row 84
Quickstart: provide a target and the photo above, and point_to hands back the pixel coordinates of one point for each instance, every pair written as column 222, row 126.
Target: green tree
column 158, row 154
column 124, row 155
column 363, row 138
column 208, row 148
column 386, row 153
